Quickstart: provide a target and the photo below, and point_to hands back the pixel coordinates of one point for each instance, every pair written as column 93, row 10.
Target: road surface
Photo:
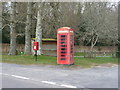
column 46, row 76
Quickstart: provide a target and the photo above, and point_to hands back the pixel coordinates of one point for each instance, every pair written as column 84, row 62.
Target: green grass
column 83, row 54
column 87, row 62
column 79, row 53
column 49, row 60
column 17, row 59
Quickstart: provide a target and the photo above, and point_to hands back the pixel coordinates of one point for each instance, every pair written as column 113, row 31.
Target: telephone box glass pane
column 63, row 45
column 63, row 35
column 62, row 58
column 62, row 55
column 63, row 52
column 62, row 39
column 63, row 42
column 63, row 48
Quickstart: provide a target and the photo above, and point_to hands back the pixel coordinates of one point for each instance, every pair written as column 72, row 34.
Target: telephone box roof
column 65, row 28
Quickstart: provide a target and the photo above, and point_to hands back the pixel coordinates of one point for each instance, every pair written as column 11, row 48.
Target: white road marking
column 48, row 82
column 68, row 86
column 35, row 80
column 6, row 74
column 20, row 77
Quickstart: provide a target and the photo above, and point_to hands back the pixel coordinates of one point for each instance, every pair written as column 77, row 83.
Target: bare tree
column 100, row 23
column 28, row 29
column 0, row 27
column 12, row 31
column 0, row 17
column 39, row 28
column 119, row 31
column 92, row 21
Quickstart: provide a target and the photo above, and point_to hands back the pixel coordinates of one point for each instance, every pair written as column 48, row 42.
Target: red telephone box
column 65, row 46
column 35, row 46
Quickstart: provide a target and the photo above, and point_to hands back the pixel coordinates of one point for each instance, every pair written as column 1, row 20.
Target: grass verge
column 97, row 54
column 49, row 60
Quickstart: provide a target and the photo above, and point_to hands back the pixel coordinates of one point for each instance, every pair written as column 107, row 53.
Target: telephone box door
column 62, row 48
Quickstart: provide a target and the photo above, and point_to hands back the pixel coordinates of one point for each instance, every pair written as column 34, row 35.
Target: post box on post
column 35, row 48
column 65, row 46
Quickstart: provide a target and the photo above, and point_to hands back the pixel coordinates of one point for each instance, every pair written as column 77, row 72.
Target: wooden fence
column 52, row 49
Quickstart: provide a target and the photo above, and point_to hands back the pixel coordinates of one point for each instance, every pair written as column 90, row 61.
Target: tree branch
column 5, row 26
column 14, row 21
column 95, row 41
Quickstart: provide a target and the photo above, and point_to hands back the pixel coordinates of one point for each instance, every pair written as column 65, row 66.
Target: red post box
column 35, row 46
column 65, row 46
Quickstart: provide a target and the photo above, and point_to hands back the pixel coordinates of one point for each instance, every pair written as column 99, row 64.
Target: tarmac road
column 46, row 76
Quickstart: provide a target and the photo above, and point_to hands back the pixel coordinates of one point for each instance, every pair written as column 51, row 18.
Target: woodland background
column 94, row 23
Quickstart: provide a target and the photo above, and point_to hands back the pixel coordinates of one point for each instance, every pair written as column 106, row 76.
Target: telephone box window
column 63, row 48
column 62, row 55
column 63, row 52
column 62, row 39
column 63, row 35
column 63, row 43
column 62, row 58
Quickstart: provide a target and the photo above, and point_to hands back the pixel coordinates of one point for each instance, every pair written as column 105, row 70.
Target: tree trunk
column 12, row 31
column 0, row 28
column 93, row 42
column 118, row 53
column 27, row 30
column 91, row 48
column 1, row 19
column 39, row 30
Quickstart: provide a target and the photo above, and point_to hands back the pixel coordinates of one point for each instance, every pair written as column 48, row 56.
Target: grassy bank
column 48, row 60
column 97, row 54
